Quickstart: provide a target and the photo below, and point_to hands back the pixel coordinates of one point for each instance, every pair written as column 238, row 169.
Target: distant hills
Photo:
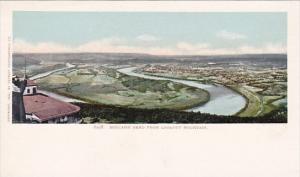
column 136, row 58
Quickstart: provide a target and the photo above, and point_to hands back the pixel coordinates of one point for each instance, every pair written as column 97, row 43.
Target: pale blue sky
column 164, row 29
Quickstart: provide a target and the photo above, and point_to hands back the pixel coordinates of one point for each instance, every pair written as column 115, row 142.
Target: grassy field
column 257, row 104
column 268, row 103
column 96, row 84
column 107, row 86
column 254, row 104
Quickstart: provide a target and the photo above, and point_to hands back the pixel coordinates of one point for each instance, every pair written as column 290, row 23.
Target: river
column 223, row 101
column 68, row 66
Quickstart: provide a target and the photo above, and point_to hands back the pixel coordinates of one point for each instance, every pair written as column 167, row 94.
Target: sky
column 161, row 33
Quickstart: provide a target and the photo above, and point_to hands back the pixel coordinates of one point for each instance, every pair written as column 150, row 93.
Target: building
column 41, row 108
column 31, row 88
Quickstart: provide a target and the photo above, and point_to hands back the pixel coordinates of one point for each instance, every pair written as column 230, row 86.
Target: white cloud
column 43, row 47
column 230, row 35
column 147, row 38
column 185, row 46
column 116, row 45
column 267, row 48
column 271, row 48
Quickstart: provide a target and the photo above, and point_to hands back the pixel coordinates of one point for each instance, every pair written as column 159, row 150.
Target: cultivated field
column 261, row 79
column 102, row 85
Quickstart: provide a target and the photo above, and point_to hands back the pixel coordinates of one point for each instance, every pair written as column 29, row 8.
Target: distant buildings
column 272, row 80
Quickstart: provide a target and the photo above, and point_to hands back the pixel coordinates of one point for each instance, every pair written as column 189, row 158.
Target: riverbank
column 256, row 104
column 41, row 75
column 223, row 100
column 181, row 78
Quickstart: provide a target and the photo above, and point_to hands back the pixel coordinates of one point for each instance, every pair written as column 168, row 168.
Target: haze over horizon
column 156, row 33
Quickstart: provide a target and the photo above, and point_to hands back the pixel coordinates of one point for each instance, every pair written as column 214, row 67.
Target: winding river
column 223, row 101
column 68, row 66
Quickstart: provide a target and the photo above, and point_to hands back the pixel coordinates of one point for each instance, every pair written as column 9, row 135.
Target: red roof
column 31, row 83
column 46, row 107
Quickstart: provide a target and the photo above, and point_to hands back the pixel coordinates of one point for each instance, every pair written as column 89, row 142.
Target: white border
column 266, row 150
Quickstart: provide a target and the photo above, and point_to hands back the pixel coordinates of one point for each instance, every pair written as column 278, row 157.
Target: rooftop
column 46, row 107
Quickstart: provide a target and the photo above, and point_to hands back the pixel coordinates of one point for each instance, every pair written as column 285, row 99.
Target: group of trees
column 112, row 114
